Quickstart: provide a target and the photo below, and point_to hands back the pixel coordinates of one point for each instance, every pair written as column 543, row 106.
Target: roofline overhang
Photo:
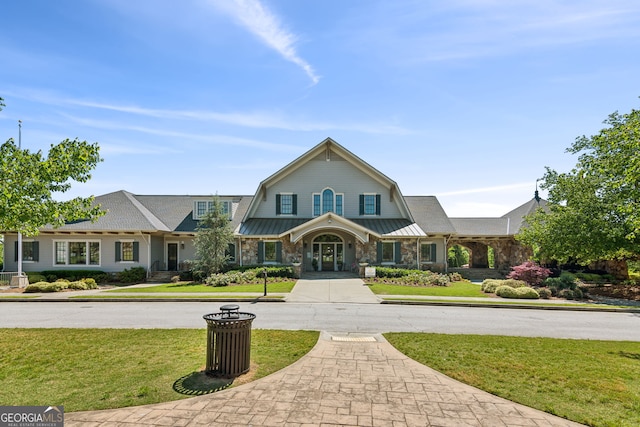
column 329, row 221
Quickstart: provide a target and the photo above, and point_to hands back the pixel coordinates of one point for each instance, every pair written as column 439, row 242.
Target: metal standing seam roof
column 277, row 226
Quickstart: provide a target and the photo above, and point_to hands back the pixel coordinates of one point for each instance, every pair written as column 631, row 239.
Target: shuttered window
column 286, row 204
column 269, row 252
column 127, row 251
column 428, row 252
column 30, row 251
column 370, row 204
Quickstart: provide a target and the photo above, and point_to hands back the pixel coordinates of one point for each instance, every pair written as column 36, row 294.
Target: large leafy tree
column 30, row 181
column 593, row 210
column 214, row 235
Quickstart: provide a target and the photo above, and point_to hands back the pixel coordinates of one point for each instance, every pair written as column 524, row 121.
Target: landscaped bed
column 281, row 286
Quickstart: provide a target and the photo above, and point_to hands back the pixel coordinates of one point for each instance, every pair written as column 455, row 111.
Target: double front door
column 330, row 255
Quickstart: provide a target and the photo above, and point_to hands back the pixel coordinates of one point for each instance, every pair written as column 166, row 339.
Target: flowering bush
column 529, row 272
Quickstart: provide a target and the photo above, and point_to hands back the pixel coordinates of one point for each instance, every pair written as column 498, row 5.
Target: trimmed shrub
column 90, row 283
column 566, row 294
column 409, row 277
column 455, row 277
column 529, row 272
column 46, row 287
column 218, row 279
column 522, row 292
column 35, row 277
column 73, row 275
column 132, row 275
column 545, row 293
column 78, row 285
column 490, row 286
column 254, row 275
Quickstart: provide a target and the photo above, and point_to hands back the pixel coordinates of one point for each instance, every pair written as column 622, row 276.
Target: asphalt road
column 345, row 318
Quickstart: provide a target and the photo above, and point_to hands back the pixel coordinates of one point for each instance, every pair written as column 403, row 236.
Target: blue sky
column 467, row 100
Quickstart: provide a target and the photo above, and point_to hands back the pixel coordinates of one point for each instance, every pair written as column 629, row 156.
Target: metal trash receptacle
column 228, row 341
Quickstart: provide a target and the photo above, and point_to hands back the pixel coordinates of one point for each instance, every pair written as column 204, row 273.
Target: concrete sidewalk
column 345, row 380
column 332, row 288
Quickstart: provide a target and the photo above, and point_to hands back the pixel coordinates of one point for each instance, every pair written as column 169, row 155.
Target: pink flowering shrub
column 529, row 272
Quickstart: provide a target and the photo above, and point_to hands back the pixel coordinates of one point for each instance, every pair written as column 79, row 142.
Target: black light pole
column 19, row 233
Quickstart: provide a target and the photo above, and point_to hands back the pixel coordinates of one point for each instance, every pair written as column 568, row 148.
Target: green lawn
column 592, row 382
column 172, row 297
column 455, row 289
column 86, row 369
column 279, row 287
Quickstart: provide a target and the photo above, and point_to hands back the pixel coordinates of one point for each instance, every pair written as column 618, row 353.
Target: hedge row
column 250, row 275
column 61, row 285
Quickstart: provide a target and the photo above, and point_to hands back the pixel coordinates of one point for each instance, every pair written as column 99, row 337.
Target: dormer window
column 202, row 207
column 328, row 201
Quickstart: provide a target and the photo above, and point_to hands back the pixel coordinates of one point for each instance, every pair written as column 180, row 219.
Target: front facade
column 328, row 210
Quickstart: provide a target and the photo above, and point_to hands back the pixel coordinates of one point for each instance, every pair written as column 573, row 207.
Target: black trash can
column 228, row 341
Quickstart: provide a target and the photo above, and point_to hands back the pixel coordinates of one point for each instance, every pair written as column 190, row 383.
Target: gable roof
column 150, row 213
column 507, row 225
column 429, row 215
column 517, row 215
column 123, row 213
column 327, row 147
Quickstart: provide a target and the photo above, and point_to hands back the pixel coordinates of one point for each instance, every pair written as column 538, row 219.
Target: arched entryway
column 328, row 253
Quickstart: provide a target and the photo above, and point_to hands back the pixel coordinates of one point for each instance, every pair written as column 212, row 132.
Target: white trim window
column 428, row 252
column 76, row 252
column 388, row 255
column 328, row 201
column 202, row 207
column 127, row 251
column 370, row 204
column 30, row 251
column 286, row 204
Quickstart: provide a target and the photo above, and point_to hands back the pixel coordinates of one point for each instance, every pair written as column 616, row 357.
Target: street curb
column 513, row 306
column 251, row 300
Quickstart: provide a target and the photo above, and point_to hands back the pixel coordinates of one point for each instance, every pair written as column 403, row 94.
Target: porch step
column 161, row 276
column 478, row 274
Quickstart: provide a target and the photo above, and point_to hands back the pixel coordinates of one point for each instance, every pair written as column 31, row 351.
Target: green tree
column 458, row 256
column 214, row 235
column 593, row 210
column 30, row 181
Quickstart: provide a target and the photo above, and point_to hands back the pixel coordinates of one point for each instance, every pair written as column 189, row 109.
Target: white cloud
column 259, row 20
column 461, row 29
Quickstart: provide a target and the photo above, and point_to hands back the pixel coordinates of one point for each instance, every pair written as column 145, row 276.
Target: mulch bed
column 628, row 292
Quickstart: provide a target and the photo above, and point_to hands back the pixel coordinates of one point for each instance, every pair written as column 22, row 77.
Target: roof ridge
column 149, row 216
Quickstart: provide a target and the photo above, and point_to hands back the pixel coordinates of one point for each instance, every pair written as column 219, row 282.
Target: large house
column 328, row 209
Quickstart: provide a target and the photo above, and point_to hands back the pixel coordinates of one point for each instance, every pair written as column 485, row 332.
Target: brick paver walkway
column 341, row 382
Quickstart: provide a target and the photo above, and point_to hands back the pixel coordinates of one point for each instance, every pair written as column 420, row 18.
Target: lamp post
column 20, row 280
